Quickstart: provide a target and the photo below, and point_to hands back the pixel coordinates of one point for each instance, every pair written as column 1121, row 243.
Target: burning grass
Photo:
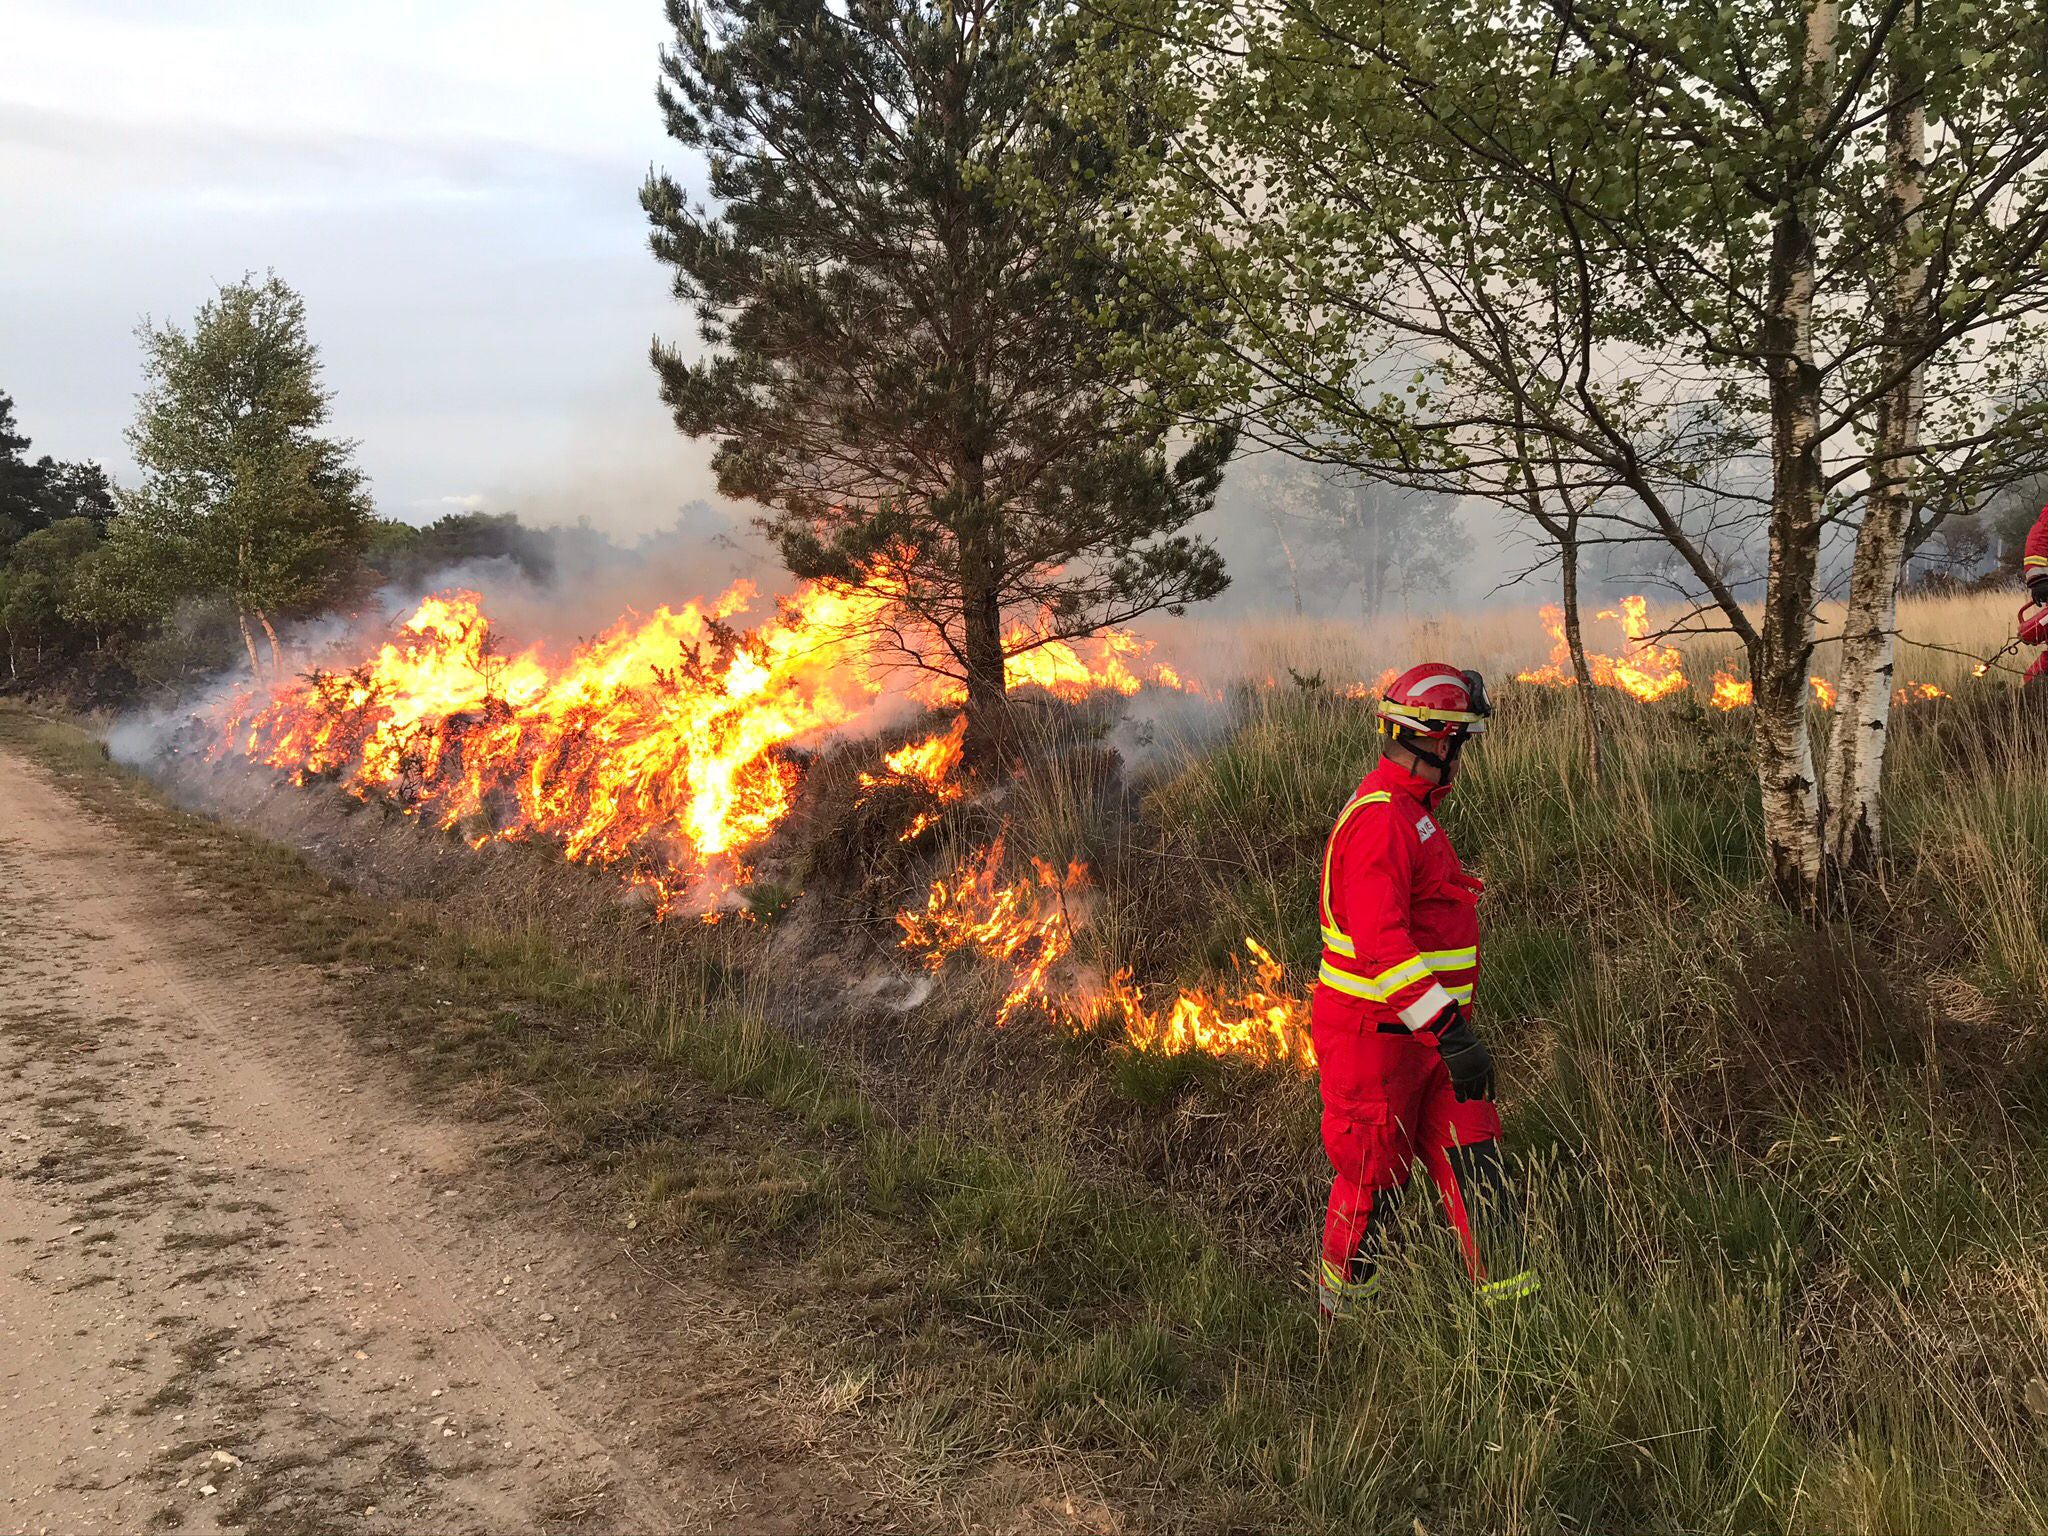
column 1027, row 928
column 1789, row 1191
column 668, row 749
column 1646, row 669
column 657, row 749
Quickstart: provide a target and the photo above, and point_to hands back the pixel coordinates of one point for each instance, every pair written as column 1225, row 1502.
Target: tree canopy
column 1584, row 257
column 897, row 286
column 35, row 493
column 243, row 493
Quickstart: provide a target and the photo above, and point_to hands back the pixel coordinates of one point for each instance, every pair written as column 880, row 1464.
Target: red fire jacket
column 2034, row 566
column 1399, row 914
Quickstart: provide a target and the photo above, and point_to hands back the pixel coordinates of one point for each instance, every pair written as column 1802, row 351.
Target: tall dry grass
column 1788, row 1188
column 1938, row 638
column 1791, row 1186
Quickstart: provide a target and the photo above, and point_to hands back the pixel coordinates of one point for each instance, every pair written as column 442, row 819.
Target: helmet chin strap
column 1443, row 763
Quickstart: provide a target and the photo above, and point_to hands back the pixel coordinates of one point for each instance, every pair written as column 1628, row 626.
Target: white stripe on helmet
column 1456, row 679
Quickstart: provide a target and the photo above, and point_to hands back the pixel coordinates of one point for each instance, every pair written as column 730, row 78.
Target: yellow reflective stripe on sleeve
column 1353, row 985
column 1348, row 984
column 1395, row 977
column 2035, row 560
column 1381, row 987
column 1325, row 914
column 1441, row 961
column 1511, row 1289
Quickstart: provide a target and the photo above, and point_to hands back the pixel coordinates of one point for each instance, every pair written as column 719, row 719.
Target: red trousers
column 1386, row 1101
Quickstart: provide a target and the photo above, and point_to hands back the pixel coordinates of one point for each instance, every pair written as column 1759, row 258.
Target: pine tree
column 22, row 480
column 898, row 287
column 35, row 493
column 244, row 497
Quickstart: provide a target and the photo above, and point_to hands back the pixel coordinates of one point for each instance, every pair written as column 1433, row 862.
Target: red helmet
column 1436, row 702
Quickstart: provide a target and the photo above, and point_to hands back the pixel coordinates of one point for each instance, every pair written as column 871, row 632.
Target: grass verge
column 1817, row 1308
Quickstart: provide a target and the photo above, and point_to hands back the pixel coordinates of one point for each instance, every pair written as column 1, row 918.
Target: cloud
column 179, row 155
column 452, row 187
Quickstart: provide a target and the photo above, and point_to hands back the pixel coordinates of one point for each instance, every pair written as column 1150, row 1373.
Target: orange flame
column 931, row 765
column 1024, row 924
column 659, row 748
column 1375, row 689
column 931, row 762
column 665, row 748
column 1028, row 925
column 1912, row 691
column 1731, row 692
column 1258, row 1018
column 1033, row 660
column 1645, row 670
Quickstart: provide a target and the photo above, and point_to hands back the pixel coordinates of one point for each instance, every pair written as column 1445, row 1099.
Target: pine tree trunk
column 1779, row 663
column 988, row 701
column 1575, row 643
column 987, row 742
column 1854, row 830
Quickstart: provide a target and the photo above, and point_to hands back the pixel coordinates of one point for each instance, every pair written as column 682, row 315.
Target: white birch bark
column 1781, row 744
column 249, row 644
column 1854, row 829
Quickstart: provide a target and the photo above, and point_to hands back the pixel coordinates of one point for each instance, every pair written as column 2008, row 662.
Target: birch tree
column 244, row 495
column 1605, row 248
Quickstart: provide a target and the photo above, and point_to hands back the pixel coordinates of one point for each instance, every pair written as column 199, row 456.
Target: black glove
column 1464, row 1057
column 2038, row 589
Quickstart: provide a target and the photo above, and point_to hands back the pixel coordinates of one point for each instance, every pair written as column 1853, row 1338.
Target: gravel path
column 247, row 1282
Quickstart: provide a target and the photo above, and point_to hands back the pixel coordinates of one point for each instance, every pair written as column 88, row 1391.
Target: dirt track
column 246, row 1282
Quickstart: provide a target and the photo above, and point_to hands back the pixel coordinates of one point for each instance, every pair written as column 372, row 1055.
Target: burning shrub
column 661, row 748
column 1762, row 1171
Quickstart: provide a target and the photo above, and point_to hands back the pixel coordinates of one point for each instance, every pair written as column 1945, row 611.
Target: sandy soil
column 248, row 1282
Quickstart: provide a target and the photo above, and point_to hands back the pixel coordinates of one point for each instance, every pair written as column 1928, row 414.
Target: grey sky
column 452, row 186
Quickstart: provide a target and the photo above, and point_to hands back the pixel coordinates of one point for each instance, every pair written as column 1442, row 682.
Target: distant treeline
column 247, row 517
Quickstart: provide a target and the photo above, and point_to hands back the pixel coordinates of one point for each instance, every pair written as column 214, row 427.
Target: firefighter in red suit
column 1404, row 1078
column 2034, row 572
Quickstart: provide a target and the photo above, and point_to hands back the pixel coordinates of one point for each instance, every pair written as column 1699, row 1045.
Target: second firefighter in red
column 1404, row 1077
column 2034, row 572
